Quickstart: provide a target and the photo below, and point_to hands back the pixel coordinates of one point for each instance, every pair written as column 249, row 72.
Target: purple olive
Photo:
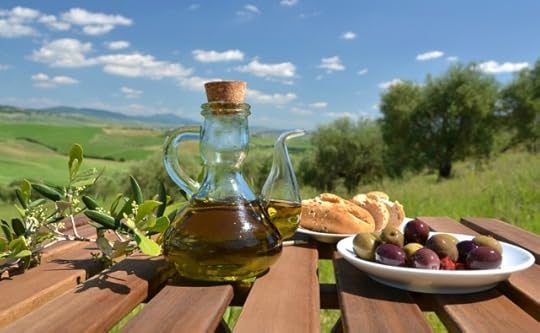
column 416, row 231
column 390, row 254
column 464, row 247
column 483, row 257
column 426, row 258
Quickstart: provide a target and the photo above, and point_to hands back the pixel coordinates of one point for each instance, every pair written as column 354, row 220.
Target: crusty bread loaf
column 375, row 207
column 331, row 213
column 397, row 214
column 378, row 195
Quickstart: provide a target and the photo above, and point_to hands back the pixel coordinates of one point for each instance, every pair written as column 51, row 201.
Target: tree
column 451, row 120
column 397, row 106
column 520, row 107
column 343, row 150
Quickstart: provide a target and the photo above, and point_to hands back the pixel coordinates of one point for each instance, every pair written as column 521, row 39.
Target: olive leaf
column 162, row 196
column 75, row 160
column 136, row 190
column 47, row 191
column 161, row 224
column 103, row 219
column 85, row 178
column 20, row 197
column 146, row 208
column 104, row 245
column 26, row 189
column 89, row 202
column 147, row 246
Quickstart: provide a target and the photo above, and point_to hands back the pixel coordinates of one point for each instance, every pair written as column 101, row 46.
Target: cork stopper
column 225, row 91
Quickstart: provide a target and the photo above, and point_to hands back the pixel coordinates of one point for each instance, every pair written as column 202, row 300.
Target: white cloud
column 278, row 99
column 363, row 71
column 195, row 83
column 429, row 55
column 215, row 56
column 493, row 67
column 339, row 114
column 53, row 23
column 94, row 23
column 72, row 53
column 252, row 8
column 65, row 52
column 288, row 3
column 319, row 105
column 300, row 111
column 194, row 6
column 130, row 92
column 96, row 30
column 279, row 70
column 15, row 22
column 42, row 80
column 452, row 58
column 331, row 64
column 249, row 11
column 141, row 65
column 4, row 67
column 348, row 35
column 23, row 14
column 388, row 84
column 117, row 45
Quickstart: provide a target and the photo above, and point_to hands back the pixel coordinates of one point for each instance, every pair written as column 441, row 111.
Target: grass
column 506, row 189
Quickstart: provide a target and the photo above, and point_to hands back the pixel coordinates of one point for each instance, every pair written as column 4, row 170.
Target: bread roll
column 376, row 208
column 397, row 214
column 378, row 195
column 331, row 213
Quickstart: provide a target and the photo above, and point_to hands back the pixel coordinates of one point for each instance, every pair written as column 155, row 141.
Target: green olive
column 444, row 246
column 411, row 248
column 392, row 235
column 488, row 241
column 364, row 246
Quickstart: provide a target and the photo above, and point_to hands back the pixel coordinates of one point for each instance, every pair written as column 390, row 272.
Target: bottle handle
column 175, row 171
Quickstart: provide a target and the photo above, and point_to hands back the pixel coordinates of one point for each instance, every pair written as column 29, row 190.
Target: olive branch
column 130, row 223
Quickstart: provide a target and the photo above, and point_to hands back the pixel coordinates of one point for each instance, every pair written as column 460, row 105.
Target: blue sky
column 306, row 62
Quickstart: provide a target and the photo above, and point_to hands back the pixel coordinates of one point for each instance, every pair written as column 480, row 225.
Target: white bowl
column 514, row 259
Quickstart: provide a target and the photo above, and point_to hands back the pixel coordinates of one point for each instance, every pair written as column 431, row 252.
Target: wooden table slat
column 183, row 309
column 100, row 302
column 286, row 299
column 506, row 232
column 488, row 311
column 446, row 224
column 523, row 288
column 23, row 293
column 368, row 306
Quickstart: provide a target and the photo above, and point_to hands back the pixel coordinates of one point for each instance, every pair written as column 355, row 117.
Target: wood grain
column 506, row 232
column 483, row 312
column 23, row 293
column 97, row 304
column 368, row 306
column 183, row 309
column 286, row 299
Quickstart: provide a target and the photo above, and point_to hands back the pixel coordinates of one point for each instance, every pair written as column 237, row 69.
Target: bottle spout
column 281, row 183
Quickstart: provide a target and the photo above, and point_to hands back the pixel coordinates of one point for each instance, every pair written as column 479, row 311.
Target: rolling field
column 109, row 142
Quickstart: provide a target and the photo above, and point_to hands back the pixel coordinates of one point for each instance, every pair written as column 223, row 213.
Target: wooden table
column 60, row 296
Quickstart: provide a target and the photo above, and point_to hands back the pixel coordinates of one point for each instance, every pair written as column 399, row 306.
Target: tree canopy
column 445, row 120
column 520, row 107
column 344, row 150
